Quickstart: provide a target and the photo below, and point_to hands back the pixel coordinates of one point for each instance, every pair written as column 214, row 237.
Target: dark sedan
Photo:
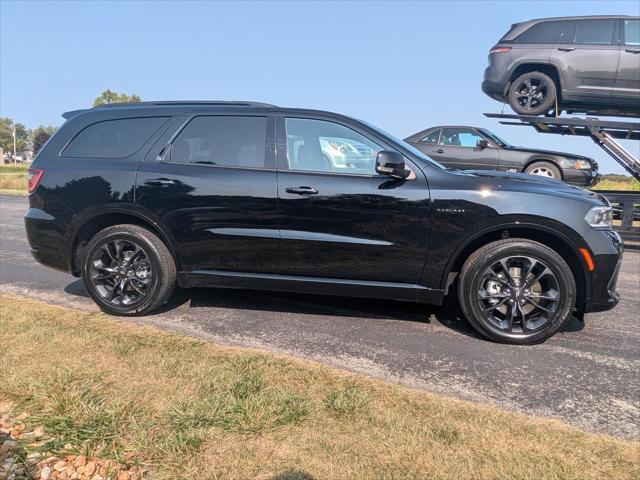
column 471, row 148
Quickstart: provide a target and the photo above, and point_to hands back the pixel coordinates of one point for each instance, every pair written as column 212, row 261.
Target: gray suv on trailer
column 578, row 64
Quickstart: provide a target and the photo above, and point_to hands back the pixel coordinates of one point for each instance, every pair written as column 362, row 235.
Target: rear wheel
column 532, row 93
column 128, row 270
column 516, row 291
column 544, row 169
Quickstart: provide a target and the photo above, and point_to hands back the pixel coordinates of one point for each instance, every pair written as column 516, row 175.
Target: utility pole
column 15, row 162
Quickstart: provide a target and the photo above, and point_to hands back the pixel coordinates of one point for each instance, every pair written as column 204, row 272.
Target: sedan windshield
column 494, row 137
column 406, row 146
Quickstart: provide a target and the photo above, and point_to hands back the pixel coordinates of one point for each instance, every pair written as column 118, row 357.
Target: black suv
column 470, row 148
column 586, row 64
column 244, row 195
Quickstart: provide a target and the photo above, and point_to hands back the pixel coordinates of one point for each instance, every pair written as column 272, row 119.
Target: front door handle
column 159, row 182
column 439, row 150
column 302, row 190
column 566, row 49
column 632, row 50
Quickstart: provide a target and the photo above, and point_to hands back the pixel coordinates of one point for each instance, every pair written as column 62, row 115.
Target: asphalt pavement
column 587, row 375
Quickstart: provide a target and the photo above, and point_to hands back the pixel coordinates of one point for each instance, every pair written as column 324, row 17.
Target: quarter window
column 432, row 137
column 632, row 32
column 222, row 140
column 321, row 146
column 459, row 138
column 113, row 138
column 595, row 32
column 544, row 32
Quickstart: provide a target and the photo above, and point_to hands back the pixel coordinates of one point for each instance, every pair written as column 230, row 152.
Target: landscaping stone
column 15, row 436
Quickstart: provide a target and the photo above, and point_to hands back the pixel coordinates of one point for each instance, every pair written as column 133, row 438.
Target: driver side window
column 321, row 146
column 457, row 137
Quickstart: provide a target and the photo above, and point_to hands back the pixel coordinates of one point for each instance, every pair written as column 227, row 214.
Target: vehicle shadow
column 448, row 315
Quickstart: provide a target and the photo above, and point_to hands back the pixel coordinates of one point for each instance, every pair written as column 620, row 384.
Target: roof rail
column 240, row 103
column 73, row 113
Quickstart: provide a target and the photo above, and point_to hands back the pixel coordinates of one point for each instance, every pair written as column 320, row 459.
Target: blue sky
column 402, row 66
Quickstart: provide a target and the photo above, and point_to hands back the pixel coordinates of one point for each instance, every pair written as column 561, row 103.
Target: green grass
column 13, row 179
column 187, row 409
column 613, row 181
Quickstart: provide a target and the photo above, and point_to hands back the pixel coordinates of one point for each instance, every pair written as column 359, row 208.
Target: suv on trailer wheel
column 577, row 64
column 136, row 198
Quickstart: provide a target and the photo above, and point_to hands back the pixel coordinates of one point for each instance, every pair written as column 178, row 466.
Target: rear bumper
column 607, row 247
column 495, row 90
column 44, row 239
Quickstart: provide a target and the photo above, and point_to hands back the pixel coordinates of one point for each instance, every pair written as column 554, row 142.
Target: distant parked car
column 471, row 148
column 585, row 64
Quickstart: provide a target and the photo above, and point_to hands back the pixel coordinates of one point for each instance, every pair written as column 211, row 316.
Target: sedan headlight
column 600, row 217
column 583, row 165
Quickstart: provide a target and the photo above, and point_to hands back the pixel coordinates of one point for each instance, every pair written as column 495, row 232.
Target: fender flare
column 92, row 213
column 557, row 230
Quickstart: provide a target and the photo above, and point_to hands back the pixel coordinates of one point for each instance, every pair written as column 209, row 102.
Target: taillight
column 35, row 175
column 500, row 50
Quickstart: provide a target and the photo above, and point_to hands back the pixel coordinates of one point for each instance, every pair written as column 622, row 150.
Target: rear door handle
column 566, row 49
column 632, row 50
column 301, row 190
column 439, row 150
column 159, row 182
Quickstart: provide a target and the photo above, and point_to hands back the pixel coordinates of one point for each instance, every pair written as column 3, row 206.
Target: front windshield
column 494, row 137
column 406, row 146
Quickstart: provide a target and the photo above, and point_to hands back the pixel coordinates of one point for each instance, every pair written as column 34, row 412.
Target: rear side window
column 544, row 32
column 222, row 140
column 595, row 32
column 432, row 137
column 113, row 138
column 632, row 32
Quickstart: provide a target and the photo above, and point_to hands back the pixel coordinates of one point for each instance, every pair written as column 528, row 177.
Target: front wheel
column 544, row 169
column 532, row 93
column 128, row 270
column 516, row 291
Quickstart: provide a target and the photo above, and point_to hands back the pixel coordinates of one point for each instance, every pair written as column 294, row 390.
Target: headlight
column 583, row 165
column 600, row 217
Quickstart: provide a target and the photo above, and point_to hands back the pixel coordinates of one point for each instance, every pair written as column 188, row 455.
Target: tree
column 109, row 96
column 40, row 136
column 6, row 136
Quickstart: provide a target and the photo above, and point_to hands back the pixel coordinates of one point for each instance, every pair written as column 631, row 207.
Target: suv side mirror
column 391, row 164
column 482, row 143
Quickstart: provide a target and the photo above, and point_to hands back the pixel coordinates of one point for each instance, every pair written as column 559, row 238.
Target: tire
column 532, row 93
column 145, row 275
column 554, row 294
column 544, row 169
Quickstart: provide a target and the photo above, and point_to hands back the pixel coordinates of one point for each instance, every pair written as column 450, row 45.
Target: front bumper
column 607, row 248
column 581, row 178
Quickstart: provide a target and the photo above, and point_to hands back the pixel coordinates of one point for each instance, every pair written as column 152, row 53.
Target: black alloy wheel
column 533, row 93
column 516, row 291
column 518, row 294
column 128, row 270
column 121, row 272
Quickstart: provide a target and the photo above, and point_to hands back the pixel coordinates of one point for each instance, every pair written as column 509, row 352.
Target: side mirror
column 391, row 164
column 482, row 143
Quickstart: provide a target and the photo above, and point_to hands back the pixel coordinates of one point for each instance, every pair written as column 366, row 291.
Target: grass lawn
column 183, row 408
column 13, row 178
column 617, row 182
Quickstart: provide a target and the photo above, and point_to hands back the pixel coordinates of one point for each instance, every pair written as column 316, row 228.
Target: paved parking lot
column 587, row 375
